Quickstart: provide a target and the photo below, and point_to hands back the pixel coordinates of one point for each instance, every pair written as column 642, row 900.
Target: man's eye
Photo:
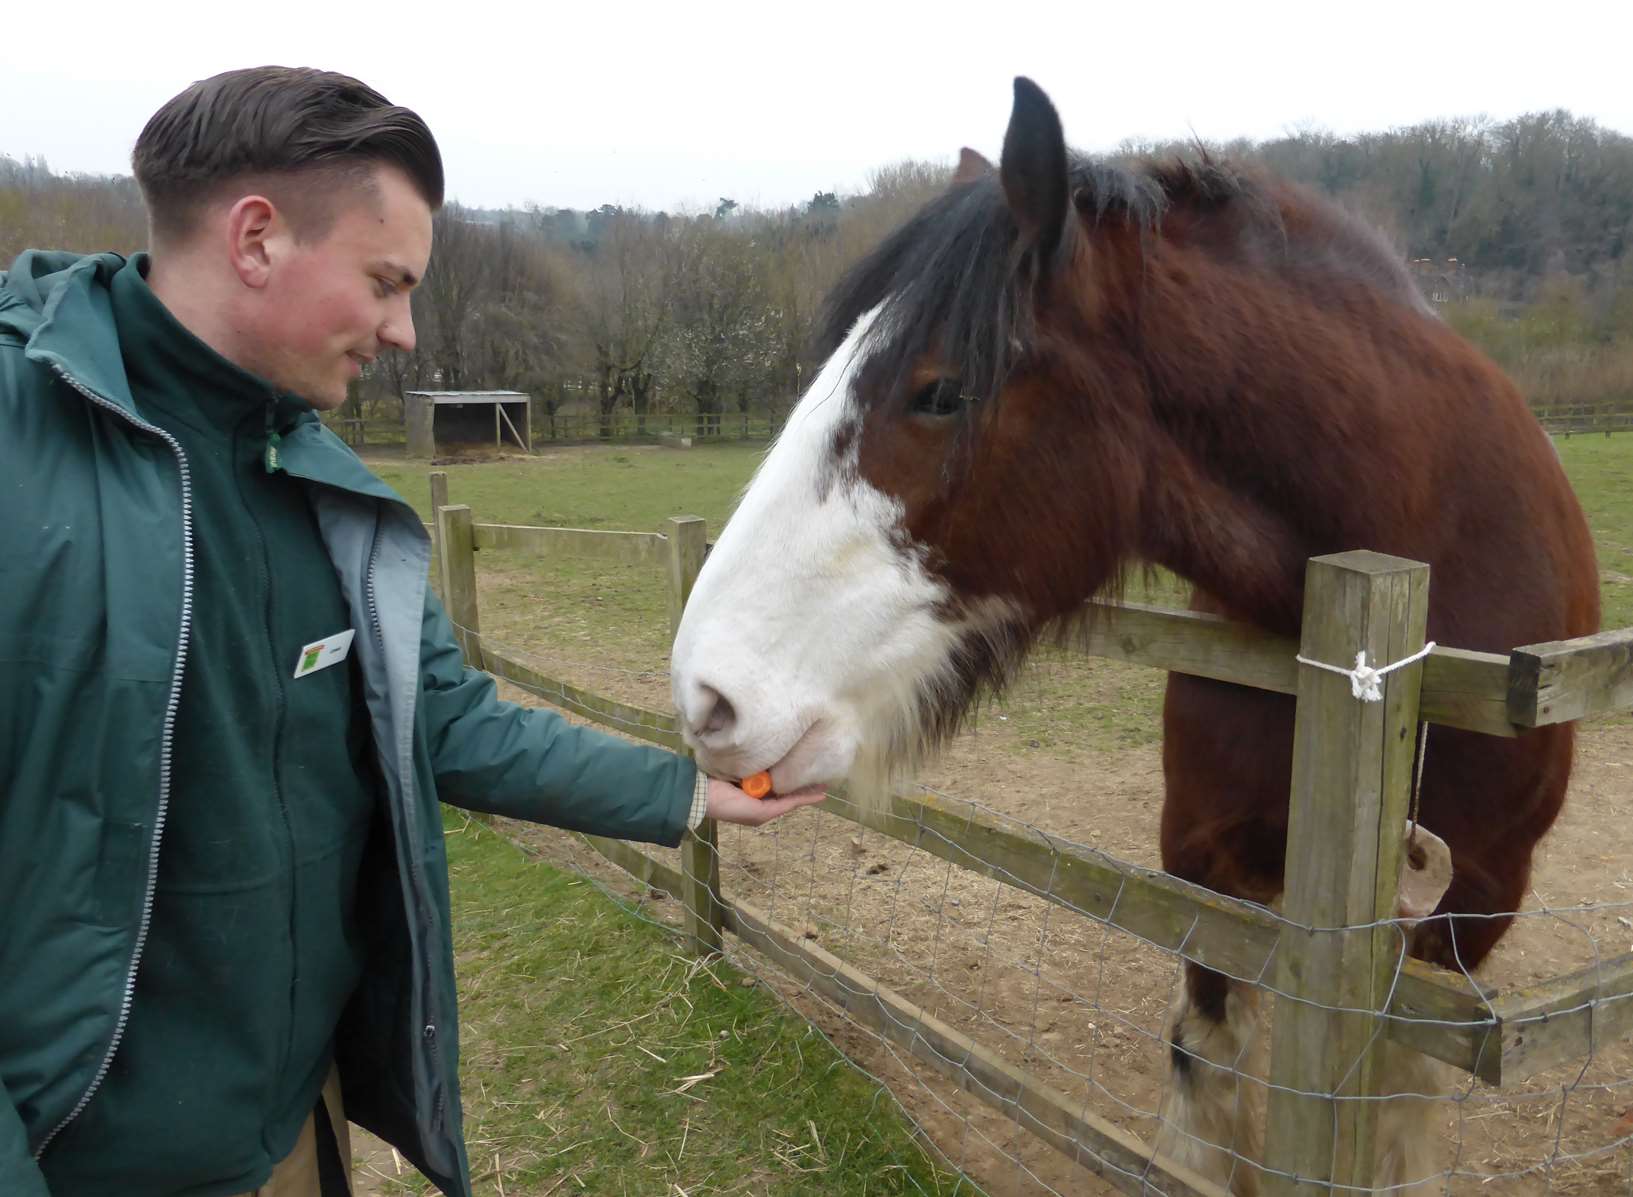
column 385, row 287
column 943, row 397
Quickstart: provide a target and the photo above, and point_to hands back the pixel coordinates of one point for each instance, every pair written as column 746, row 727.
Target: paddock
column 1047, row 981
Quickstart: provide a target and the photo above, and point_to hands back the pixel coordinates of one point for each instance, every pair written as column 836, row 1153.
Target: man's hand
column 729, row 804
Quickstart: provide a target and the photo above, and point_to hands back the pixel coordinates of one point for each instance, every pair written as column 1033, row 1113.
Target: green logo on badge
column 310, row 660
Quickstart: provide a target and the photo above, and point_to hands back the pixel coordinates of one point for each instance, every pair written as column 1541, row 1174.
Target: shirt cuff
column 700, row 801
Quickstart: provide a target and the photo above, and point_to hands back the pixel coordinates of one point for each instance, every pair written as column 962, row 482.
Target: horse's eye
column 943, row 397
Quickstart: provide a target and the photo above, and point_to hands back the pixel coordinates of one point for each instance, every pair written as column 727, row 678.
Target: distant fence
column 362, row 434
column 1560, row 419
column 626, row 425
column 1332, row 954
column 588, row 427
column 1564, row 419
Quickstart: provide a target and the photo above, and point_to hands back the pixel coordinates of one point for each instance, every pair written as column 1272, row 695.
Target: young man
column 221, row 859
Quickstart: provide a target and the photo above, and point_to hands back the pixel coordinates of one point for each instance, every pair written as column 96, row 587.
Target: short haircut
column 266, row 125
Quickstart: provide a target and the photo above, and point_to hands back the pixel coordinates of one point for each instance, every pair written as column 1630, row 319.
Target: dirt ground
column 1082, row 1006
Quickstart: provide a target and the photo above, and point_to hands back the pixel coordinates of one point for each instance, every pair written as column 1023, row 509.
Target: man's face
column 332, row 303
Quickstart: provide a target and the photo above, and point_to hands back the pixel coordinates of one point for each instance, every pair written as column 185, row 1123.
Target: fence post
column 458, row 542
column 1352, row 768
column 439, row 498
column 688, row 537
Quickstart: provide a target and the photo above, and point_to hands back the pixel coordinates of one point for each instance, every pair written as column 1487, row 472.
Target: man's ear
column 253, row 226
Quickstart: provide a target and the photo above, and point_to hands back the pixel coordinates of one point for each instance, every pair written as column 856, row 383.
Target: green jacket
column 96, row 560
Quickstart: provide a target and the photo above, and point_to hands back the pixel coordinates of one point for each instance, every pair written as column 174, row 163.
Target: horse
column 1063, row 369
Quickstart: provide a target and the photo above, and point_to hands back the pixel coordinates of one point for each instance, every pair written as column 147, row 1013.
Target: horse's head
column 906, row 537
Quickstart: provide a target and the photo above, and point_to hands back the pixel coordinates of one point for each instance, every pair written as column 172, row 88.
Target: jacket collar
column 59, row 305
column 314, row 453
column 168, row 365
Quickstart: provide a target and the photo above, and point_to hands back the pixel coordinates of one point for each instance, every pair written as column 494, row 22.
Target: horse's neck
column 1229, row 546
column 1244, row 488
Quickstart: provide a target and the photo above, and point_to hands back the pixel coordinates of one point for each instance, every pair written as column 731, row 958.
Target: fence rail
column 579, row 427
column 1606, row 416
column 624, row 425
column 1339, row 964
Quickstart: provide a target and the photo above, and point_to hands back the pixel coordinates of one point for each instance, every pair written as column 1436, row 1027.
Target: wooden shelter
column 439, row 420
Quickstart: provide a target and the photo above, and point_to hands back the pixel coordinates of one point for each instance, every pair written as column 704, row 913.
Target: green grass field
column 626, row 488
column 598, row 1058
column 1601, row 470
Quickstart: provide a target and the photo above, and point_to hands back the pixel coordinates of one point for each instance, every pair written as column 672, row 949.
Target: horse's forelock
column 950, row 284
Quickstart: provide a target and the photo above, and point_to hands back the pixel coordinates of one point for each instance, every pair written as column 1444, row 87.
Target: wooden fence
column 626, row 425
column 1331, row 950
column 1563, row 419
column 361, row 434
column 579, row 427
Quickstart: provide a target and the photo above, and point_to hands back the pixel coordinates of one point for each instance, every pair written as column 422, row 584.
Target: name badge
column 321, row 654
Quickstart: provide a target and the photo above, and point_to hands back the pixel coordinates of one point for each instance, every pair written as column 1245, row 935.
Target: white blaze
column 810, row 618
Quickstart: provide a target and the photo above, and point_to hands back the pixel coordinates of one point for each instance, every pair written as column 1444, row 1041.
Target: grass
column 1601, row 470
column 599, row 1059
column 626, row 488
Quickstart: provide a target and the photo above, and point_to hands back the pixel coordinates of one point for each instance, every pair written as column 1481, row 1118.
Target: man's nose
column 399, row 332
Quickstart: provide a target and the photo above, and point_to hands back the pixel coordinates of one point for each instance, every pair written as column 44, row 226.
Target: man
column 221, row 864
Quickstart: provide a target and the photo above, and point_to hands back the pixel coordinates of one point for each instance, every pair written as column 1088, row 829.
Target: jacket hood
column 33, row 279
column 59, row 306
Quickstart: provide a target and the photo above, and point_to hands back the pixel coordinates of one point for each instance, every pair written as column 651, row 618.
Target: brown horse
column 1061, row 368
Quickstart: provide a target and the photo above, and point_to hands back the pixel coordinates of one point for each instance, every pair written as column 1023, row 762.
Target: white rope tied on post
column 1364, row 679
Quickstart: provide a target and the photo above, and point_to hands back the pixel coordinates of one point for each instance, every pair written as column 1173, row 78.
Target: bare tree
column 620, row 306
column 720, row 340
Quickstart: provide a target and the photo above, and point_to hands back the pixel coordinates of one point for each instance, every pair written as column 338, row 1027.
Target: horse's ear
column 1033, row 170
column 971, row 166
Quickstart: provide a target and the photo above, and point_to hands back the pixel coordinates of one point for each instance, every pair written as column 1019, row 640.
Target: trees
column 718, row 345
column 714, row 311
column 619, row 305
column 39, row 209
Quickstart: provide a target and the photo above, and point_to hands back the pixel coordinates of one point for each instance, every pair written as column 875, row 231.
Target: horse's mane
column 950, row 281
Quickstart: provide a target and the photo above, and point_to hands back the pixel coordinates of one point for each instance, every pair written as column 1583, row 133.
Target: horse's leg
column 1415, row 1086
column 1491, row 800
column 1211, row 1116
column 1226, row 760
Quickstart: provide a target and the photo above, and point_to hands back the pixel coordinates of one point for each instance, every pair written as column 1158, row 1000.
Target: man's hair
column 270, row 125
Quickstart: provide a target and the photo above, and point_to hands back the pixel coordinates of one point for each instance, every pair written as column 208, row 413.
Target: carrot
column 757, row 786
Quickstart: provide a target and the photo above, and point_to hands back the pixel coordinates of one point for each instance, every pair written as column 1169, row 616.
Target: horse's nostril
column 721, row 716
column 710, row 712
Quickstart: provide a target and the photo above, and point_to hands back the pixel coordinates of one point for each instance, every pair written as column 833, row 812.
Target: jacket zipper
column 368, row 573
column 410, row 796
column 166, row 743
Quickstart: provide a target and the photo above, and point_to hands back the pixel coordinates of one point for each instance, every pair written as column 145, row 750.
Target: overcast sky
column 672, row 105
